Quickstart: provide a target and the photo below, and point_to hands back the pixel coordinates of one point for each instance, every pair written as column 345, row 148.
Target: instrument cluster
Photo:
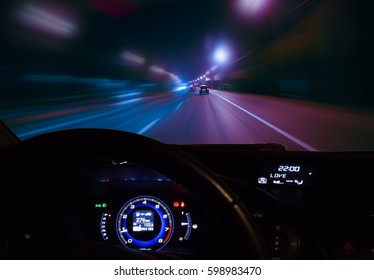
column 140, row 209
column 149, row 223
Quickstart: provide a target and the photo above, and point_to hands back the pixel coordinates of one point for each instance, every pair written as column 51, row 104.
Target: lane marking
column 148, row 126
column 179, row 105
column 80, row 120
column 64, row 124
column 285, row 134
column 127, row 94
column 127, row 101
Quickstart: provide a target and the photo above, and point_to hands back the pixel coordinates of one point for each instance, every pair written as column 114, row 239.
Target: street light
column 249, row 6
column 253, row 10
column 221, row 55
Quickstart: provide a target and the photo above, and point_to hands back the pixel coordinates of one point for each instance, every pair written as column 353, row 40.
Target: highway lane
column 214, row 118
column 124, row 110
column 324, row 127
column 220, row 117
column 228, row 117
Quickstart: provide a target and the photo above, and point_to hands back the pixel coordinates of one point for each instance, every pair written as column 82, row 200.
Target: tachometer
column 145, row 223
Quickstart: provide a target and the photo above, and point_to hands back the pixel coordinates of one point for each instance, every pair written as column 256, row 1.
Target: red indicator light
column 182, row 204
column 176, row 204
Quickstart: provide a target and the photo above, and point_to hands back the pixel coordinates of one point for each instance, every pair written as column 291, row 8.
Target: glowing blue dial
column 145, row 223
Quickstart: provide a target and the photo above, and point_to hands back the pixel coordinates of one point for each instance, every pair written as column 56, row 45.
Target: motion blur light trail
column 46, row 19
column 226, row 117
column 128, row 110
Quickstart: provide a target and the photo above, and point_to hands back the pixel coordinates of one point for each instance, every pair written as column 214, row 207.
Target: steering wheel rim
column 36, row 155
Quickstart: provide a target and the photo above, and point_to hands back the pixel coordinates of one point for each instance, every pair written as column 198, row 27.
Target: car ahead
column 191, row 89
column 203, row 89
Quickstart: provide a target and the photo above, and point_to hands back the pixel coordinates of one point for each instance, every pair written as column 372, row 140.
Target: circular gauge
column 283, row 241
column 144, row 223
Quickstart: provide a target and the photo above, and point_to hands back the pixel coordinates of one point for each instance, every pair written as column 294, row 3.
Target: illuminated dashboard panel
column 287, row 175
column 141, row 209
column 148, row 223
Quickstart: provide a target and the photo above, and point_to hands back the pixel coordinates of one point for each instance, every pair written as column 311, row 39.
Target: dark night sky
column 177, row 35
column 180, row 36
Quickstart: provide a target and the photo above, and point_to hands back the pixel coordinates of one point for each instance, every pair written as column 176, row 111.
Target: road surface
column 189, row 118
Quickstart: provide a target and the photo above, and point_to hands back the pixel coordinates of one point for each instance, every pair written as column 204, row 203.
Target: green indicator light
column 100, row 205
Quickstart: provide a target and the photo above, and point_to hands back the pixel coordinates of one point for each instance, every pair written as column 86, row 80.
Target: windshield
column 294, row 72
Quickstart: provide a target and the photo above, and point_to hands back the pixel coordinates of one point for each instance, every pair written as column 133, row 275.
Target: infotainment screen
column 286, row 174
column 143, row 220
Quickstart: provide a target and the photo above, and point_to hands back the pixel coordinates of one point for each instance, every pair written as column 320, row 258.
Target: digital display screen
column 143, row 220
column 286, row 174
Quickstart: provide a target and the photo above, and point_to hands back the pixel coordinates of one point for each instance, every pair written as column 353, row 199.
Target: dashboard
column 303, row 205
column 312, row 205
column 142, row 209
column 139, row 208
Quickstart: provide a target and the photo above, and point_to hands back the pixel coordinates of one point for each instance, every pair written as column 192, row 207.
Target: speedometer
column 145, row 223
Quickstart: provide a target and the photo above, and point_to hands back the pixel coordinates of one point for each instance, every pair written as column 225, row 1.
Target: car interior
column 66, row 196
column 186, row 130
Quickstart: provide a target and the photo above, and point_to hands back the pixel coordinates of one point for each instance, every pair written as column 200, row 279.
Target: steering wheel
column 24, row 164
